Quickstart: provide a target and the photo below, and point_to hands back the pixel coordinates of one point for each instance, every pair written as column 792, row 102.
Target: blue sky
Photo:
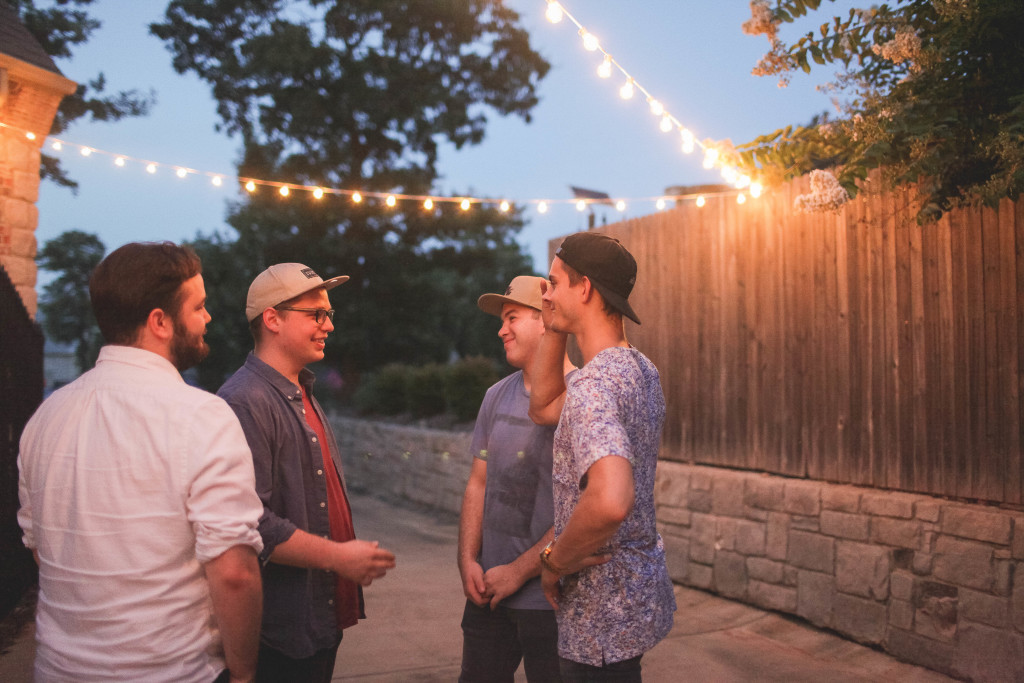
column 690, row 54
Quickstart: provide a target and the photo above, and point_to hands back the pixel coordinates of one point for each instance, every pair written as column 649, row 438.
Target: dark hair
column 136, row 279
column 575, row 278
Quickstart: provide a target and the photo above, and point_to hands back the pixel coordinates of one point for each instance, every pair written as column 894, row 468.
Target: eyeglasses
column 318, row 313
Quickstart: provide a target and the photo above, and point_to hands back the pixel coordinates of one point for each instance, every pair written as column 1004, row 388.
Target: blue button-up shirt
column 298, row 610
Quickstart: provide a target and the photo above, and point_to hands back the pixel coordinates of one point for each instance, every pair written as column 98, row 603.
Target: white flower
column 826, row 194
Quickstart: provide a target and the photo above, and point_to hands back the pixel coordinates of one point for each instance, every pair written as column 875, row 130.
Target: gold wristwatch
column 545, row 560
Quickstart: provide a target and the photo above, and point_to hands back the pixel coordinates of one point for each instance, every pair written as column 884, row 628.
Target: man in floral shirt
column 605, row 571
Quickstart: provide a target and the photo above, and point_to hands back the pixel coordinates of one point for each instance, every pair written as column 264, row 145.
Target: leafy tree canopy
column 359, row 94
column 68, row 317
column 59, row 26
column 936, row 94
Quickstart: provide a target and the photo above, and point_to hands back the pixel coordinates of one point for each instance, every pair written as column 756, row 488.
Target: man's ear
column 587, row 289
column 159, row 324
column 272, row 320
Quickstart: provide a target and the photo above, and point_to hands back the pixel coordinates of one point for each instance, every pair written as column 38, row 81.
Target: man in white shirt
column 138, row 496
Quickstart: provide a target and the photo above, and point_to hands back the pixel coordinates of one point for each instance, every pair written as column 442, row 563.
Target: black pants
column 627, row 671
column 495, row 641
column 275, row 667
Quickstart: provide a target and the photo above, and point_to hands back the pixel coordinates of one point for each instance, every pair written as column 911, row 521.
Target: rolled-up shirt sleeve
column 273, row 528
column 222, row 504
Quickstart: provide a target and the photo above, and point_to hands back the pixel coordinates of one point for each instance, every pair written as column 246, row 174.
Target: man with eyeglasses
column 313, row 566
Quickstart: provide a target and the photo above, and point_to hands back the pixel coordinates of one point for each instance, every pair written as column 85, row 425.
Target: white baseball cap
column 282, row 282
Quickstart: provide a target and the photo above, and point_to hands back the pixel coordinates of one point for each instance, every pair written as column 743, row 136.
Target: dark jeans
column 626, row 671
column 275, row 667
column 495, row 641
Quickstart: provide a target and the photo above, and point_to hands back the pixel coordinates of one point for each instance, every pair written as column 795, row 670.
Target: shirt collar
column 279, row 381
column 141, row 358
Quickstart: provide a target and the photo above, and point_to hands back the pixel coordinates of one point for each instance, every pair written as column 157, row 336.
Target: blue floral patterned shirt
column 614, row 406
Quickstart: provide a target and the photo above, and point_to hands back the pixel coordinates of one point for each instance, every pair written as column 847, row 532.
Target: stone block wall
column 425, row 466
column 933, row 582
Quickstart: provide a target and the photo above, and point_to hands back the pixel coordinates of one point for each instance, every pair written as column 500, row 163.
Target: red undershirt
column 346, row 592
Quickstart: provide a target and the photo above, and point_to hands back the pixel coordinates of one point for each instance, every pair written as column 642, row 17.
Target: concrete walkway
column 413, row 635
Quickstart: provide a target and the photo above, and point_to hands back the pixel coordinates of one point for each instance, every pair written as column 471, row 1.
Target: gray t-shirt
column 518, row 507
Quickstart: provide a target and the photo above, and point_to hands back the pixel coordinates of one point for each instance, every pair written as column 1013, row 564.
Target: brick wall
column 933, row 582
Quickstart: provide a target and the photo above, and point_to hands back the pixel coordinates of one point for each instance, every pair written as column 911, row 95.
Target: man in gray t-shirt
column 507, row 512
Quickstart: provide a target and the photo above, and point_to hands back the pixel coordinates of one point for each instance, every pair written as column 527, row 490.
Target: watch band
column 545, row 560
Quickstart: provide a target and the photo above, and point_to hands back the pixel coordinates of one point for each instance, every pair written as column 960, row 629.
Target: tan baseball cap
column 281, row 282
column 523, row 290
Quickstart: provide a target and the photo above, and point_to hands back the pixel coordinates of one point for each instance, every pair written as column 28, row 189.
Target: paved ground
column 413, row 634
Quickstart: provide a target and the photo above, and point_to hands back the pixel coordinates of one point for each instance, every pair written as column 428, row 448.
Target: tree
column 59, row 28
column 358, row 95
column 937, row 95
column 67, row 312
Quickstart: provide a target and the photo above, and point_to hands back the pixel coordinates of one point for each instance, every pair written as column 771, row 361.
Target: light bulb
column 503, row 207
column 755, row 190
column 660, row 204
column 30, row 135
column 217, row 180
column 656, row 107
column 741, row 198
column 356, row 197
column 626, row 91
column 666, row 123
column 590, row 41
column 581, row 205
column 542, row 207
column 428, row 204
column 181, row 173
column 742, row 181
column 464, row 205
column 86, row 151
column 119, row 161
column 57, row 146
column 700, row 201
column 318, row 193
column 150, row 168
column 620, row 205
column 710, row 157
column 605, row 69
column 554, row 12
column 284, row 191
column 250, row 186
column 687, row 141
column 391, row 201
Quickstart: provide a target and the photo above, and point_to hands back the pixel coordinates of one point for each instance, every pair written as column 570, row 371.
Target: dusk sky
column 690, row 55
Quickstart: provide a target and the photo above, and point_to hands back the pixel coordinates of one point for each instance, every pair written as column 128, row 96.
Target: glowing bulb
column 356, row 197
column 660, row 204
column 620, row 205
column 428, row 204
column 605, row 69
column 656, row 108
column 150, row 168
column 666, row 123
column 503, row 207
column 701, row 201
column 217, row 181
column 318, row 193
column 755, row 190
column 30, row 135
column 687, row 141
column 742, row 181
column 542, row 207
column 119, row 161
column 626, row 91
column 729, row 174
column 86, row 151
column 284, row 191
column 391, row 200
column 590, row 41
column 581, row 205
column 554, row 13
column 710, row 157
column 250, row 186
column 741, row 198
column 181, row 173
column 464, row 205
column 57, row 146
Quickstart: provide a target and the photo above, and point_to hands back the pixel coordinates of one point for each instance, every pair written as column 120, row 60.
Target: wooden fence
column 854, row 346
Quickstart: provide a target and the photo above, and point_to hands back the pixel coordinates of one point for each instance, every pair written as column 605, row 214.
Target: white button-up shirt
column 129, row 481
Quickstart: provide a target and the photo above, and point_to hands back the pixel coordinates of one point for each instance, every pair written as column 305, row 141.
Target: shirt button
column 314, row 439
column 330, row 602
column 303, row 411
column 319, row 472
column 323, row 505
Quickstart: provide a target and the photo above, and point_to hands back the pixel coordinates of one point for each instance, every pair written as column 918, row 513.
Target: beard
column 187, row 350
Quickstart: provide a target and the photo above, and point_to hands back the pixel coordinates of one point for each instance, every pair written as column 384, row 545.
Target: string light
column 217, row 181
column 428, row 204
column 542, row 207
column 504, row 206
column 150, row 168
column 119, row 162
column 688, row 141
column 391, row 201
column 755, row 190
column 318, row 193
column 666, row 124
column 57, row 146
column 590, row 41
column 356, row 197
column 181, row 173
column 626, row 91
column 700, row 201
column 656, row 107
column 250, row 186
column 605, row 68
column 620, row 205
column 581, row 205
column 741, row 198
column 284, row 191
column 30, row 135
column 660, row 204
column 86, row 151
column 554, row 12
column 464, row 205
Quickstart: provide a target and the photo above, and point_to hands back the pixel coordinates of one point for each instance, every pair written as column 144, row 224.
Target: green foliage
column 59, row 26
column 358, row 94
column 384, row 392
column 465, row 384
column 936, row 92
column 67, row 312
column 425, row 390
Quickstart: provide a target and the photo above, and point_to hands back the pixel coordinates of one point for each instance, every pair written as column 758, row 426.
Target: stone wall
column 933, row 582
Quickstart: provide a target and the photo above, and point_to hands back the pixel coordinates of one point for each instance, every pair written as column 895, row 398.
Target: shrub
column 425, row 390
column 465, row 383
column 385, row 392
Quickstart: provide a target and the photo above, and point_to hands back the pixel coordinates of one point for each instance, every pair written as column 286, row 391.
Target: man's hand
column 547, row 311
column 552, row 588
column 473, row 584
column 362, row 561
column 502, row 581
